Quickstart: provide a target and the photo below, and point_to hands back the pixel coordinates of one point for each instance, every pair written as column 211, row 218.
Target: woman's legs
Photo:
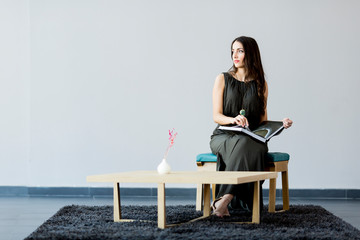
column 236, row 152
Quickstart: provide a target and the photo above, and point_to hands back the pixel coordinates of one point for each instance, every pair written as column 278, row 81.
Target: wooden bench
column 275, row 162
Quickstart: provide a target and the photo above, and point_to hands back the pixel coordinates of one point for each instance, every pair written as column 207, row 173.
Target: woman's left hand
column 287, row 122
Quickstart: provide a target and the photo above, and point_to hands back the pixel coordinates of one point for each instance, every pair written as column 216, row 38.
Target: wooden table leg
column 206, row 200
column 117, row 206
column 256, row 203
column 161, row 206
column 199, row 197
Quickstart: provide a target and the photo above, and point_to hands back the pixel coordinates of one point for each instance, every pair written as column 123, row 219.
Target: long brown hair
column 253, row 66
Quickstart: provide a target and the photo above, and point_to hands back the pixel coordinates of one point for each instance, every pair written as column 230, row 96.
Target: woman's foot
column 220, row 205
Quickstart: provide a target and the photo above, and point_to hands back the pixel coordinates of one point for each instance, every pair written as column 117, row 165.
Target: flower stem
column 166, row 152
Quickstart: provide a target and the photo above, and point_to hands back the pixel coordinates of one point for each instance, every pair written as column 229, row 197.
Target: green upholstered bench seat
column 277, row 157
column 271, row 157
column 206, row 157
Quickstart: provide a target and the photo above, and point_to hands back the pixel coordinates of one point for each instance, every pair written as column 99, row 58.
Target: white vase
column 163, row 167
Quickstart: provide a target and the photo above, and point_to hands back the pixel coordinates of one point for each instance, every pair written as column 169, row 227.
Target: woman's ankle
column 225, row 200
column 228, row 197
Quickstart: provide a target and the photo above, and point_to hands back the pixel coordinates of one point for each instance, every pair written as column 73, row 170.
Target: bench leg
column 199, row 197
column 117, row 206
column 285, row 190
column 272, row 195
column 256, row 203
column 213, row 186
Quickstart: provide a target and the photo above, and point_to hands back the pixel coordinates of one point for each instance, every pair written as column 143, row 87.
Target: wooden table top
column 200, row 177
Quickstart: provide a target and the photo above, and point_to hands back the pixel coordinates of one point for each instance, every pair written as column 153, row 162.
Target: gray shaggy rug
column 86, row 222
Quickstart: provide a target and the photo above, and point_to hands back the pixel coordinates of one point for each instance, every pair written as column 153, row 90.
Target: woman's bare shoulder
column 220, row 78
column 219, row 82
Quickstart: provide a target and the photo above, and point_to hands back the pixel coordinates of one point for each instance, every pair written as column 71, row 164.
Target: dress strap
column 226, row 77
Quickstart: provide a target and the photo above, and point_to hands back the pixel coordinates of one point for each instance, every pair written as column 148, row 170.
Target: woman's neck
column 240, row 74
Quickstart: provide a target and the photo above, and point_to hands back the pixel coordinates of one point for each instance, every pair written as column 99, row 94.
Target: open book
column 263, row 133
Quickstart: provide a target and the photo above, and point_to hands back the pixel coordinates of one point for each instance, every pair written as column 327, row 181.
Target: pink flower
column 172, row 137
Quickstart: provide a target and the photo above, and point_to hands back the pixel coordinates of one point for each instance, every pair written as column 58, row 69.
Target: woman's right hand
column 241, row 120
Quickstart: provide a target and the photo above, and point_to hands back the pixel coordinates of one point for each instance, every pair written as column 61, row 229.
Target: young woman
column 243, row 87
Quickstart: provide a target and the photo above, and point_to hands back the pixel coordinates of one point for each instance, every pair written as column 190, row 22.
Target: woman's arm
column 218, row 116
column 286, row 121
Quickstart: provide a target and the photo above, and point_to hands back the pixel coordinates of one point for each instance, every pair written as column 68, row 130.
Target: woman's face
column 238, row 54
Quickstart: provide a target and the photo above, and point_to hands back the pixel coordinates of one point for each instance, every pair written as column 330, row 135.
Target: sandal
column 217, row 211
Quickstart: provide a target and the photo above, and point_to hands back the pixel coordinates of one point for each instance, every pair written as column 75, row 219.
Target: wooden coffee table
column 204, row 178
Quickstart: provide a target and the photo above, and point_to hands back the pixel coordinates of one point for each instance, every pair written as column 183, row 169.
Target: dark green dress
column 236, row 151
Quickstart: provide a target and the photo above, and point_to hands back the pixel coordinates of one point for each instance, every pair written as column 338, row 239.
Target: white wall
column 107, row 79
column 14, row 92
